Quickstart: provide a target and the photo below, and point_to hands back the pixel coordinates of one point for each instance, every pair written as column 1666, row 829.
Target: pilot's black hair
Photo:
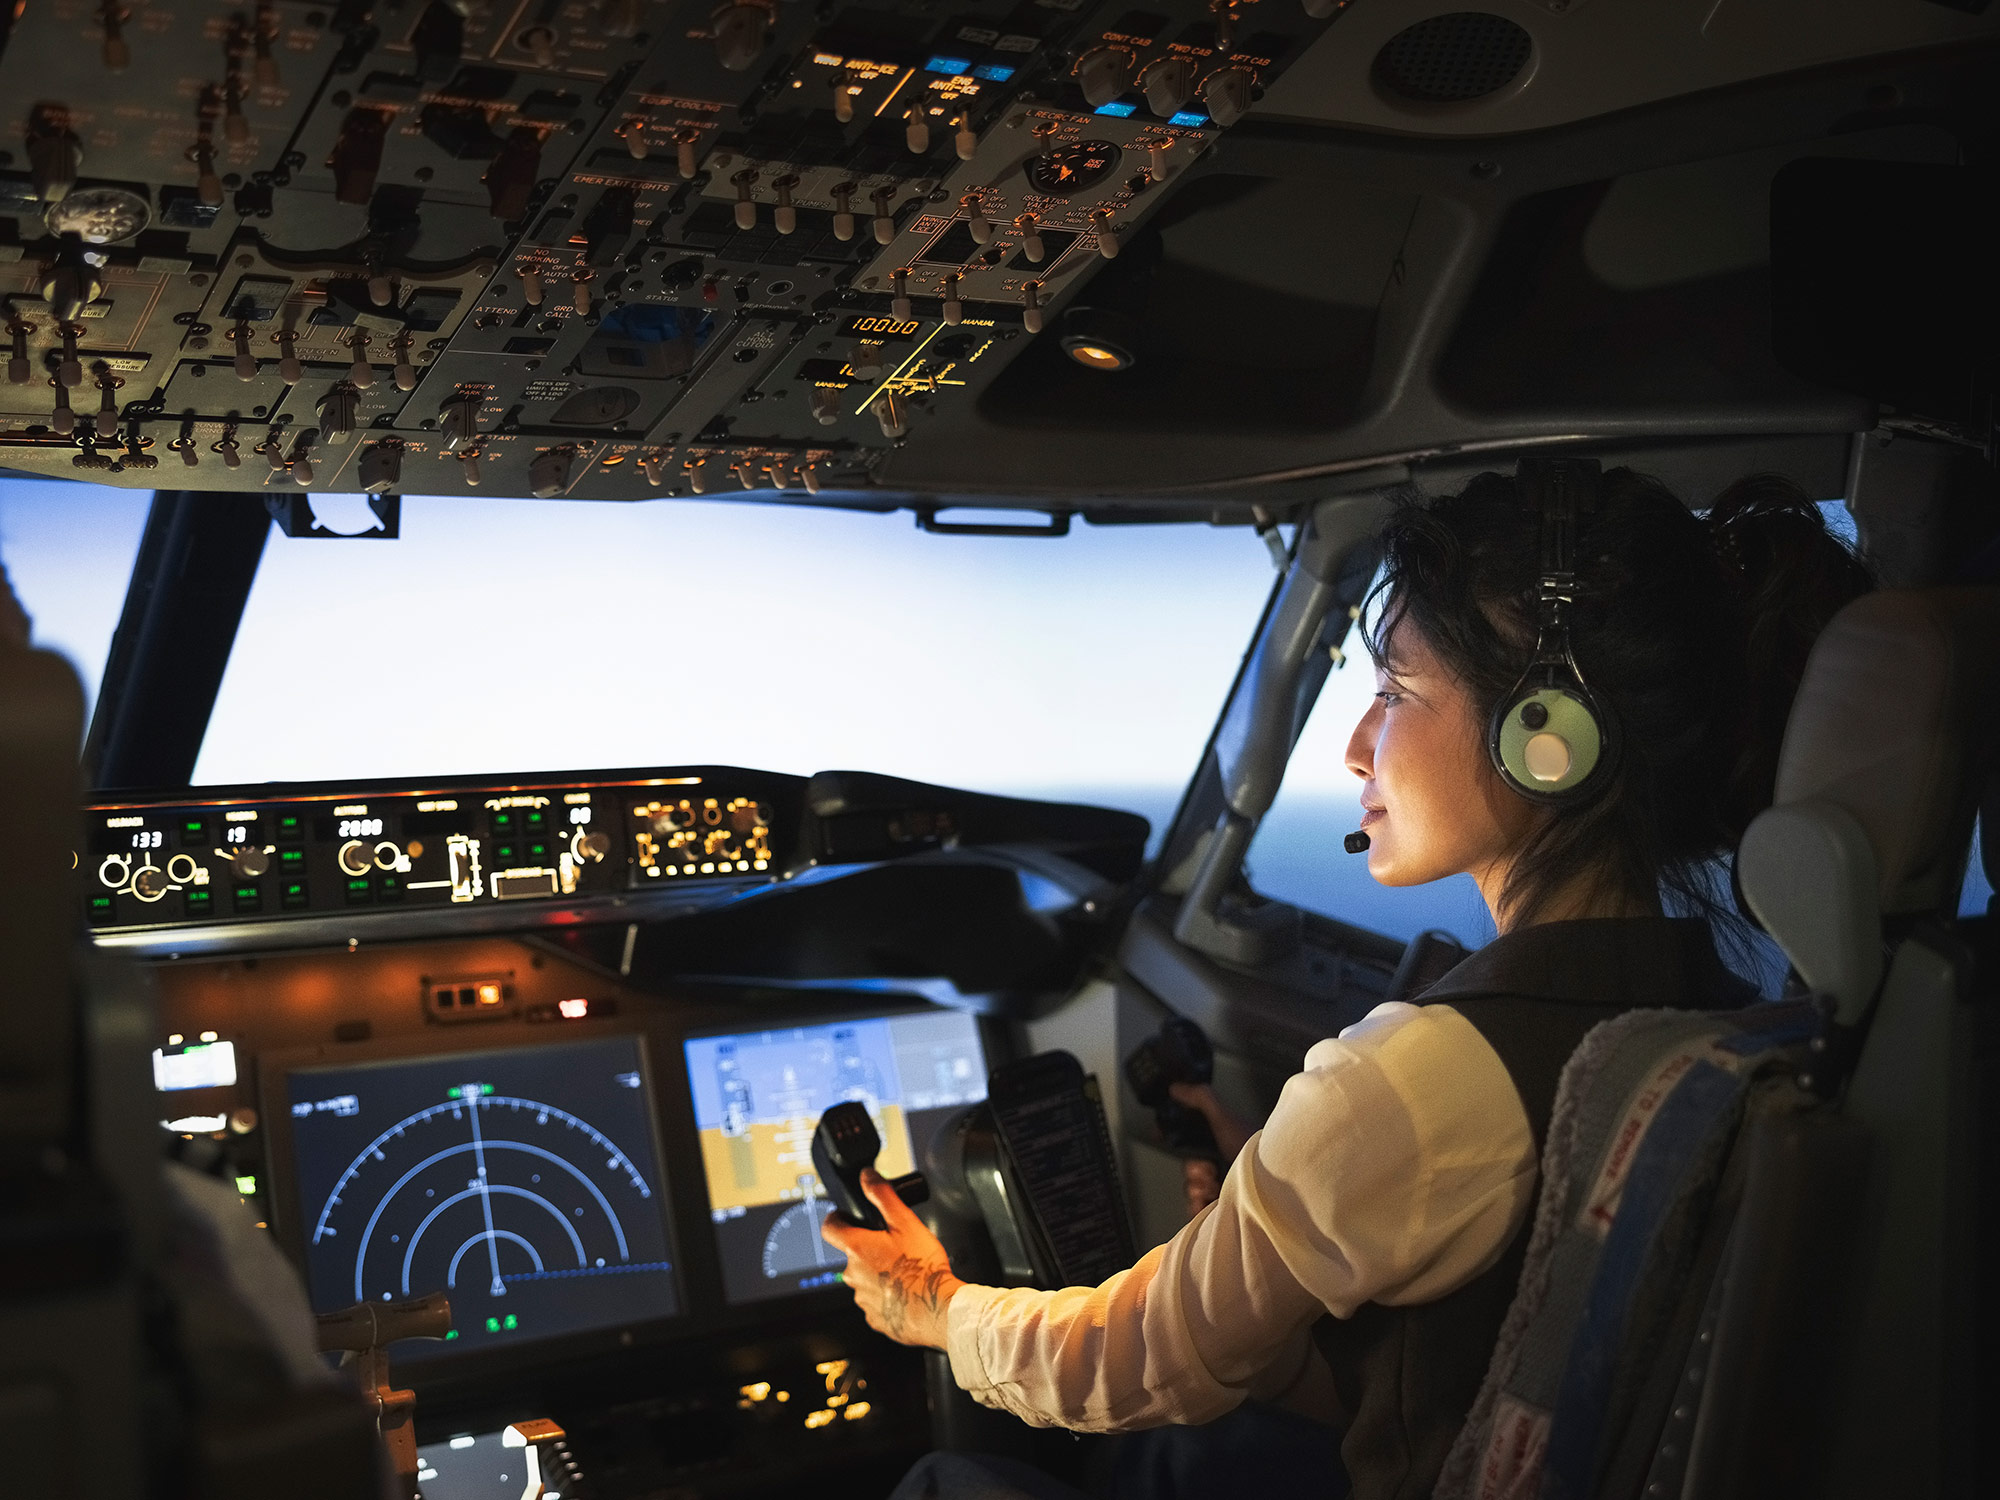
column 1693, row 629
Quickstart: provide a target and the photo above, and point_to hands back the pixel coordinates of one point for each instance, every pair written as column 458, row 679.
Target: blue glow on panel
column 1190, row 119
column 1116, row 107
column 948, row 65
column 993, row 72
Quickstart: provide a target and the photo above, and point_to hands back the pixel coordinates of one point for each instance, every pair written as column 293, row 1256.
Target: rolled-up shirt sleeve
column 1396, row 1167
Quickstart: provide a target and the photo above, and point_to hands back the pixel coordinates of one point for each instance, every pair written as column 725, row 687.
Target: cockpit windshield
column 512, row 634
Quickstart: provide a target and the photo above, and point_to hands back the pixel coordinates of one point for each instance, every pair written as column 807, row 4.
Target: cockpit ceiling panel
column 1069, row 253
column 1441, row 67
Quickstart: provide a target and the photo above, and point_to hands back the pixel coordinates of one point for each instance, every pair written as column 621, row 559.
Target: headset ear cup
column 1551, row 744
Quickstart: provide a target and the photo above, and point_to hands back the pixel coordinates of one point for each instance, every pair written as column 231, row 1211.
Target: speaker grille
column 1450, row 59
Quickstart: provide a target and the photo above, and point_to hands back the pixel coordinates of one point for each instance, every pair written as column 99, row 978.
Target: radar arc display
column 536, row 1217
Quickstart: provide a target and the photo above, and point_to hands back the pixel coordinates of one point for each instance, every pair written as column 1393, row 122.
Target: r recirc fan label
column 523, row 1183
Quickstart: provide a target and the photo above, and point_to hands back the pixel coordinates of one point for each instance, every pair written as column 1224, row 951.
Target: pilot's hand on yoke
column 901, row 1276
column 1202, row 1179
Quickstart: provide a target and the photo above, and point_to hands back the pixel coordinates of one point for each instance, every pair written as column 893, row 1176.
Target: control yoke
column 365, row 1331
column 844, row 1142
column 1180, row 1053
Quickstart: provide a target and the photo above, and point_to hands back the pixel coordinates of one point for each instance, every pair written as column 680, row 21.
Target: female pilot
column 1379, row 1215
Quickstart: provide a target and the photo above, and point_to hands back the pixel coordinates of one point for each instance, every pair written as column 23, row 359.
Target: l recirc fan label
column 524, row 1184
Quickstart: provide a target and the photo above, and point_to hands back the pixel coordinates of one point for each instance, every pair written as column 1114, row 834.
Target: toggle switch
column 405, row 373
column 1031, row 307
column 356, row 157
column 360, row 373
column 468, row 466
column 510, row 180
column 301, row 463
column 232, row 455
column 55, row 156
column 697, row 475
column 633, row 134
column 531, row 286
column 844, row 91
column 458, row 421
column 72, row 283
column 684, row 157
column 885, row 223
column 263, row 38
column 917, row 130
column 291, row 369
column 746, row 206
column 809, row 477
column 1159, row 165
column 70, row 370
column 899, row 289
column 966, row 141
column 382, row 289
column 273, row 449
column 246, row 362
column 975, row 218
column 1030, row 229
column 652, row 465
column 207, row 184
column 117, row 55
column 826, row 404
column 549, row 472
column 382, row 466
column 1227, row 93
column 1103, row 73
column 580, row 280
column 1169, row 84
column 954, row 309
column 739, row 32
column 188, row 449
column 785, row 218
column 106, row 425
column 1107, row 237
column 20, row 370
column 892, row 411
column 843, row 212
column 337, row 409
column 63, row 419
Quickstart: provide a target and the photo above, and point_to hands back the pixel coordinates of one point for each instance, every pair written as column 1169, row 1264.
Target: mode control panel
column 270, row 853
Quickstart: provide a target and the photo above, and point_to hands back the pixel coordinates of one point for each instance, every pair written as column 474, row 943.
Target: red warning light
column 573, row 1010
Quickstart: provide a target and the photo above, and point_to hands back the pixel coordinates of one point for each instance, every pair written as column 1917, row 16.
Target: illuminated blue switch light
column 1191, row 119
column 994, row 72
column 1116, row 107
column 953, row 65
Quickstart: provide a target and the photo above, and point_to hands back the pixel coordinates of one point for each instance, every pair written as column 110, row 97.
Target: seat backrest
column 1862, row 1245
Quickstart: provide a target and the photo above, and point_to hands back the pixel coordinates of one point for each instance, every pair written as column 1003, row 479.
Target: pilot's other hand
column 1202, row 1180
column 900, row 1276
column 1230, row 1133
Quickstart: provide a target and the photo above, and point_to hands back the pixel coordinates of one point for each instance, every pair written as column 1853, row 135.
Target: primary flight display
column 757, row 1097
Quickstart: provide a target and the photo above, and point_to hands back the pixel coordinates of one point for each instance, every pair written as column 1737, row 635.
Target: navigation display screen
column 757, row 1097
column 522, row 1183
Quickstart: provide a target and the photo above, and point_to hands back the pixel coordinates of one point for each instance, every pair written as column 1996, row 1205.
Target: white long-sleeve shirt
column 1397, row 1166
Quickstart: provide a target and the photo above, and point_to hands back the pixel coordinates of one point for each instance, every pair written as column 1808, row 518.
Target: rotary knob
column 1169, row 84
column 356, row 857
column 739, row 32
column 150, row 883
column 1227, row 94
column 251, row 860
column 1103, row 73
column 592, row 846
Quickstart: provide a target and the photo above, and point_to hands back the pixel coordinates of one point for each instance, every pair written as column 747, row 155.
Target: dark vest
column 1407, row 1376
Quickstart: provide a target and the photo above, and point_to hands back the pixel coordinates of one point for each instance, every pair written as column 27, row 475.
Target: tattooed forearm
column 913, row 1285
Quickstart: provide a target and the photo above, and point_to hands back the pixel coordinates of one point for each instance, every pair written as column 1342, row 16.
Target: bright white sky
column 510, row 635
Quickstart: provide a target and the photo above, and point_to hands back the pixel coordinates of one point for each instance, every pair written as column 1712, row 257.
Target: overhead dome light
column 1096, row 353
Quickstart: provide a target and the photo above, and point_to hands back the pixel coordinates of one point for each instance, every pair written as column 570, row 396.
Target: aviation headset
column 1550, row 738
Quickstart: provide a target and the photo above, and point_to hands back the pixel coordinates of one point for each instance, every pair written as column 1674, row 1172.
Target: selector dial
column 116, row 870
column 251, row 860
column 356, row 858
column 591, row 846
column 150, row 883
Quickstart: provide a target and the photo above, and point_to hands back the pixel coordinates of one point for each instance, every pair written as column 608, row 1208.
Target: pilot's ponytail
column 1791, row 575
column 1693, row 630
